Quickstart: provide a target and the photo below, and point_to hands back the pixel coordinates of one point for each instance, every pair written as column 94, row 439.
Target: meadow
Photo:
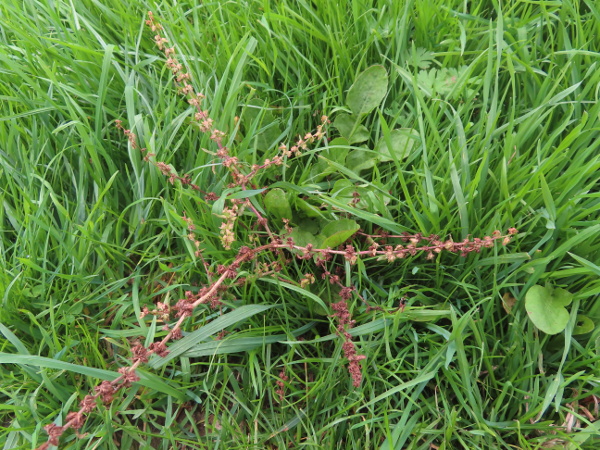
column 289, row 224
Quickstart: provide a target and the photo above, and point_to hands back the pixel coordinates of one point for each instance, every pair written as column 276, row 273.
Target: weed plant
column 272, row 271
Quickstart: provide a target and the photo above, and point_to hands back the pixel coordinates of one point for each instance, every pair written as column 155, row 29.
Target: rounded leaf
column 583, row 325
column 302, row 237
column 320, row 170
column 276, row 203
column 349, row 129
column 338, row 231
column 368, row 90
column 360, row 159
column 402, row 140
column 337, row 150
column 344, row 123
column 307, row 209
column 546, row 308
column 361, row 134
column 369, row 198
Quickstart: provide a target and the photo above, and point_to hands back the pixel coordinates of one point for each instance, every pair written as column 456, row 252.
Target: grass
column 504, row 101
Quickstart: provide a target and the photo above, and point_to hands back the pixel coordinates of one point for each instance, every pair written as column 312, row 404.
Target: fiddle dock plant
column 266, row 259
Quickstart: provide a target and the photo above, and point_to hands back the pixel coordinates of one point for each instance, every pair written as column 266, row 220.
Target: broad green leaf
column 311, row 225
column 583, row 325
column 276, row 203
column 338, row 231
column 402, row 142
column 337, row 150
column 302, row 237
column 546, row 308
column 361, row 134
column 349, row 129
column 344, row 190
column 368, row 90
column 359, row 160
column 341, row 184
column 344, row 123
column 335, row 153
column 307, row 209
column 34, row 292
column 367, row 216
column 320, row 170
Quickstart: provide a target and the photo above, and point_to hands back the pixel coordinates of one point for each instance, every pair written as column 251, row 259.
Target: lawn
column 293, row 224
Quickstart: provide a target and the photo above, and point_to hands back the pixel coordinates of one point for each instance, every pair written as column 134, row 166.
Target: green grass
column 509, row 135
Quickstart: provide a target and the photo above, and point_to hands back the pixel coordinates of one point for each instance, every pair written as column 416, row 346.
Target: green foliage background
column 504, row 98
